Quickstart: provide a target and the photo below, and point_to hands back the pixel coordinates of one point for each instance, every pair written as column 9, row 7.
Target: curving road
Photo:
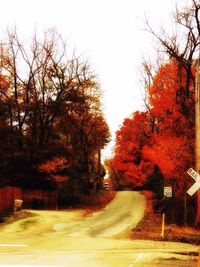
column 70, row 238
column 123, row 213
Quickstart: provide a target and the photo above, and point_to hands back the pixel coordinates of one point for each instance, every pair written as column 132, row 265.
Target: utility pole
column 99, row 168
column 197, row 137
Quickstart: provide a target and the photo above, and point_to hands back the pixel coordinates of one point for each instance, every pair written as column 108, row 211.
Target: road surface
column 74, row 239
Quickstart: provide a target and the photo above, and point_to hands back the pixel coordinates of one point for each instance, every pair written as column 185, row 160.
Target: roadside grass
column 150, row 228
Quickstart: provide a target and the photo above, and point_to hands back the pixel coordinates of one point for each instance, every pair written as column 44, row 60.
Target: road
column 76, row 239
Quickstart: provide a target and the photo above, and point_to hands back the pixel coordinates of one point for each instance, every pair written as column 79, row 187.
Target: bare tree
column 44, row 83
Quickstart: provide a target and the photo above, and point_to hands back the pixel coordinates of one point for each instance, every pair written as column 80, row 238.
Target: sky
column 110, row 33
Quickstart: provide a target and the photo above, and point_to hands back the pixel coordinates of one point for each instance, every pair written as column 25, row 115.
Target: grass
column 150, row 228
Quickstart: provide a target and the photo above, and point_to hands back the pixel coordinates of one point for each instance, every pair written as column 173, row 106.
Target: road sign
column 195, row 187
column 193, row 174
column 167, row 191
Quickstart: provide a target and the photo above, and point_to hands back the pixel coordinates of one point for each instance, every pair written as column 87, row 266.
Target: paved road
column 122, row 214
column 71, row 239
column 96, row 259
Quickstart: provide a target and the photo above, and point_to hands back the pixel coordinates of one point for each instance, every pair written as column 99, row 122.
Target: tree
column 158, row 142
column 51, row 105
column 117, row 181
column 184, row 47
column 130, row 139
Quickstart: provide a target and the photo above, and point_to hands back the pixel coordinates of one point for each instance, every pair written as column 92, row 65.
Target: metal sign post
column 163, row 226
column 167, row 195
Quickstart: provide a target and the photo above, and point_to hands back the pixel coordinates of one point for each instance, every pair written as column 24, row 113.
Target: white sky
column 109, row 32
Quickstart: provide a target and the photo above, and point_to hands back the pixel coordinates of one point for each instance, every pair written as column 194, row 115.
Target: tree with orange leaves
column 162, row 136
column 130, row 139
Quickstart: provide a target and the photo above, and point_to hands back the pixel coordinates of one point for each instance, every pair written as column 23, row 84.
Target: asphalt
column 70, row 238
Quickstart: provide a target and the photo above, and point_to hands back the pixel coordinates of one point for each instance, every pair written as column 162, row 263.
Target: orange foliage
column 169, row 104
column 173, row 155
column 163, row 135
column 60, row 178
column 56, row 164
column 130, row 139
column 53, row 166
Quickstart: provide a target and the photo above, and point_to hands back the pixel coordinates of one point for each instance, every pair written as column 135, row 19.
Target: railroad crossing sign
column 195, row 187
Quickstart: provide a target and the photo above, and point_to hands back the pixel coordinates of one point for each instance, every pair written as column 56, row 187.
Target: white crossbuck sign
column 194, row 188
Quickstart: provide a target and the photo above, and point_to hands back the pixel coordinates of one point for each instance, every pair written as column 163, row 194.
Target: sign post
column 163, row 226
column 167, row 196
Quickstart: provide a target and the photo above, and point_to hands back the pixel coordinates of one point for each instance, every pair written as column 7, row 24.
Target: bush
column 4, row 214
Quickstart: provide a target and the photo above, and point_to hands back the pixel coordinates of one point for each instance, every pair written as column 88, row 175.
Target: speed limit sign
column 167, row 191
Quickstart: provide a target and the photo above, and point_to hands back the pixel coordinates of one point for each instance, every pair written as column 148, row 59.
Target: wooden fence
column 32, row 199
column 40, row 199
column 7, row 196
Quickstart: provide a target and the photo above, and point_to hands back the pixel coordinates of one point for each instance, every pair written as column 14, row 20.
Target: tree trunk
column 185, row 210
column 197, row 139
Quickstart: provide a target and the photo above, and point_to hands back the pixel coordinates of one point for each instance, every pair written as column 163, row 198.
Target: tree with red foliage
column 162, row 136
column 130, row 139
column 170, row 104
column 172, row 146
column 184, row 47
column 53, row 168
column 167, row 99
